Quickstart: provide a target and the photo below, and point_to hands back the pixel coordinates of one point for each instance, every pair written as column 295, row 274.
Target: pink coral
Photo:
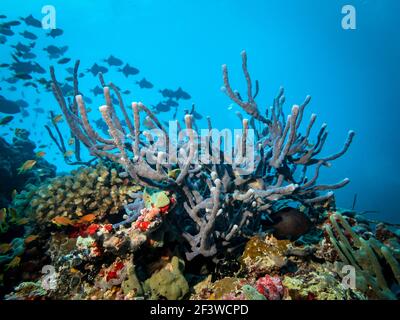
column 270, row 287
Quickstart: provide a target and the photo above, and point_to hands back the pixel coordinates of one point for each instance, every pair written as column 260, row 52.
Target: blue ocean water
column 352, row 75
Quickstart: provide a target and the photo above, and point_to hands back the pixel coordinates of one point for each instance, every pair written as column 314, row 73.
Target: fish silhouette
column 28, row 35
column 97, row 90
column 55, row 33
column 95, row 69
column 113, row 61
column 144, row 84
column 127, row 70
column 31, row 21
column 8, row 106
column 64, row 60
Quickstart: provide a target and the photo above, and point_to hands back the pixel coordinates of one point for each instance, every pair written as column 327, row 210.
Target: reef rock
column 262, row 257
column 168, row 282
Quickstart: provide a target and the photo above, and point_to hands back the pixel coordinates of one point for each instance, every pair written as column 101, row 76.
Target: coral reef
column 157, row 221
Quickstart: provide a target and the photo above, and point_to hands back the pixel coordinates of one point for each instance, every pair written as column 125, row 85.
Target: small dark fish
column 38, row 68
column 23, row 47
column 69, row 79
column 55, row 52
column 2, row 16
column 113, row 61
column 8, row 106
column 100, row 124
column 29, row 55
column 18, row 54
column 126, row 92
column 30, row 84
column 11, row 80
column 144, row 84
column 31, row 21
column 70, row 70
column 28, row 35
column 97, row 90
column 43, row 81
column 23, row 76
column 6, row 31
column 171, row 103
column 63, row 60
column 162, row 107
column 12, row 88
column 4, row 65
column 180, row 94
column 127, row 70
column 3, row 39
column 26, row 67
column 5, row 120
column 55, row 33
column 81, row 75
column 67, row 90
column 167, row 93
column 11, row 23
column 95, row 69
